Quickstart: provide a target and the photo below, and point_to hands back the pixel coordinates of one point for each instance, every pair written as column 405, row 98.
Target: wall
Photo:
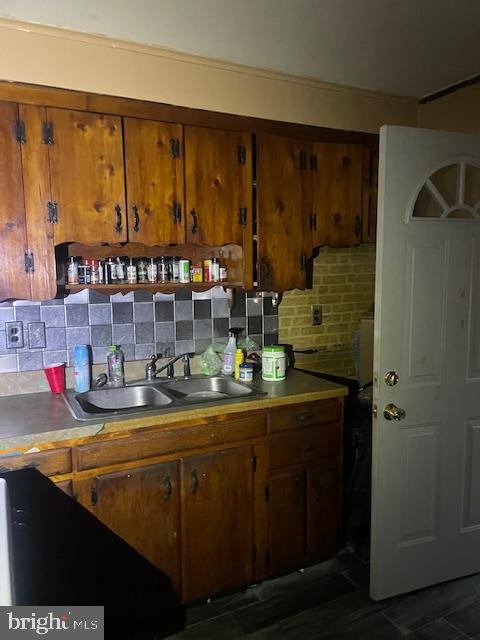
column 62, row 58
column 344, row 284
column 457, row 111
column 141, row 323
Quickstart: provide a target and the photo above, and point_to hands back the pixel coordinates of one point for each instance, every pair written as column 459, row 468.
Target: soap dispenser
column 228, row 364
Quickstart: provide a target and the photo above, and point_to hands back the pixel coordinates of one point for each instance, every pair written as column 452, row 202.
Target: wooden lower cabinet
column 286, row 521
column 217, row 521
column 304, row 524
column 224, row 511
column 142, row 506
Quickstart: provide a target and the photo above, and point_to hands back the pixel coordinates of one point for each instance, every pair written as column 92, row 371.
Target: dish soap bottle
column 228, row 365
column 116, row 373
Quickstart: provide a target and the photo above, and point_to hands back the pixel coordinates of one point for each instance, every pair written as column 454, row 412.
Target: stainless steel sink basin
column 116, row 401
column 206, row 389
column 142, row 397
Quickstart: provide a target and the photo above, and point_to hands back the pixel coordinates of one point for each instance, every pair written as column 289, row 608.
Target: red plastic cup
column 55, row 374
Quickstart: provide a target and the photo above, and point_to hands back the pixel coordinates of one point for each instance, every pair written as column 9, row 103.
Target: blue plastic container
column 81, row 368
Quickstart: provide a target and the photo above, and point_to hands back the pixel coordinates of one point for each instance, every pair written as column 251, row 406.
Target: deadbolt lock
column 392, row 412
column 391, row 378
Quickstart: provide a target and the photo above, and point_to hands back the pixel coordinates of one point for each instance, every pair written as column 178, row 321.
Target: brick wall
column 344, row 284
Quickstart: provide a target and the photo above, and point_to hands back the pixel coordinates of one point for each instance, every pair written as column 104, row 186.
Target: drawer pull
column 308, row 449
column 194, row 485
column 167, row 484
column 307, row 415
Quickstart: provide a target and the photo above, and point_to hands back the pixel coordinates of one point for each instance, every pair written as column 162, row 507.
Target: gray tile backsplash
column 141, row 323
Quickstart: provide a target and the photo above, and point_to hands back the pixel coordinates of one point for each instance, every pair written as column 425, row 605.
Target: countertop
column 30, row 420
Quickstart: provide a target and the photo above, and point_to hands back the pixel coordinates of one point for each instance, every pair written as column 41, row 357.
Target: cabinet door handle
column 167, row 484
column 193, row 213
column 194, row 485
column 307, row 415
column 93, row 496
column 136, row 226
column 118, row 211
column 357, row 226
column 314, row 221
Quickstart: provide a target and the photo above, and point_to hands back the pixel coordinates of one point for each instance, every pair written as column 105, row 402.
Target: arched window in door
column 452, row 191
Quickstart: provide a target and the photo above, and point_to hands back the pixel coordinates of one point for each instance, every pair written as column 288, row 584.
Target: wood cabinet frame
column 34, row 97
column 107, row 459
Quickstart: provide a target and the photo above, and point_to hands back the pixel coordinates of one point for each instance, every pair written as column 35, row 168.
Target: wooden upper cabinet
column 142, row 506
column 283, row 210
column 155, row 183
column 338, row 195
column 218, row 187
column 14, row 279
column 26, row 237
column 37, row 195
column 87, row 177
column 217, row 521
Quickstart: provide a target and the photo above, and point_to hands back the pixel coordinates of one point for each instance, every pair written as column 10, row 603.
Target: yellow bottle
column 238, row 361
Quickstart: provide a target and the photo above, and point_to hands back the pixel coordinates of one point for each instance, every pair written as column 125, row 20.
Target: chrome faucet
column 151, row 371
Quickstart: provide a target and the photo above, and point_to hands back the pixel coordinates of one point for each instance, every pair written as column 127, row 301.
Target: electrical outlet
column 316, row 315
column 14, row 331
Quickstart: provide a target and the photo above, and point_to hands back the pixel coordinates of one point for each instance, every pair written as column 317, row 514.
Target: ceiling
column 407, row 47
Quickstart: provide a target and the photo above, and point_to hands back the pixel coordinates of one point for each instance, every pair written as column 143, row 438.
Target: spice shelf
column 168, row 287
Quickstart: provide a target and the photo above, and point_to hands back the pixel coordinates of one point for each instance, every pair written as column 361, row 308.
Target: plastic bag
column 247, row 344
column 210, row 361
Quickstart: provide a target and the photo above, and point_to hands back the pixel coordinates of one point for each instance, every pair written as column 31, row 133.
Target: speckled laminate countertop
column 28, row 420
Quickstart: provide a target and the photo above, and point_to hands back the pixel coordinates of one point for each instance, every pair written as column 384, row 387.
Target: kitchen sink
column 206, row 389
column 116, row 401
column 141, row 397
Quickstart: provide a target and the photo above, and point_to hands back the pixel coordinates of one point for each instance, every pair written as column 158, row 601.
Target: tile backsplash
column 140, row 322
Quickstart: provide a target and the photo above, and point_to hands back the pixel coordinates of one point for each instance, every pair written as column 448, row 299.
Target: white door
column 426, row 463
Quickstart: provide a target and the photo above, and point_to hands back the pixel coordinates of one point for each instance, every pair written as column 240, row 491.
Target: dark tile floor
column 330, row 600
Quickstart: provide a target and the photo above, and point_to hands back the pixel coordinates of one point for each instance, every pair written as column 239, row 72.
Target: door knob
column 392, row 412
column 391, row 378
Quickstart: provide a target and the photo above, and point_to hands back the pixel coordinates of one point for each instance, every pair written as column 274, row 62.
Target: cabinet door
column 338, row 195
column 218, row 187
column 14, row 280
column 283, row 210
column 36, row 181
column 217, row 522
column 87, row 177
column 323, row 511
column 154, row 166
column 142, row 507
column 286, row 521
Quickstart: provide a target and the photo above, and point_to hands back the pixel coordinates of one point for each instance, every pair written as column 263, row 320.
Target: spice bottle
column 196, row 272
column 72, row 271
column 207, row 270
column 175, row 272
column 152, row 271
column 162, row 270
column 120, row 271
column 142, row 271
column 184, row 270
column 131, row 272
column 215, row 270
column 223, row 270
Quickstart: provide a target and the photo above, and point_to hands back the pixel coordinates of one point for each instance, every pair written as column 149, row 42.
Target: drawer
column 137, row 447
column 254, row 426
column 303, row 445
column 305, row 415
column 52, row 462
